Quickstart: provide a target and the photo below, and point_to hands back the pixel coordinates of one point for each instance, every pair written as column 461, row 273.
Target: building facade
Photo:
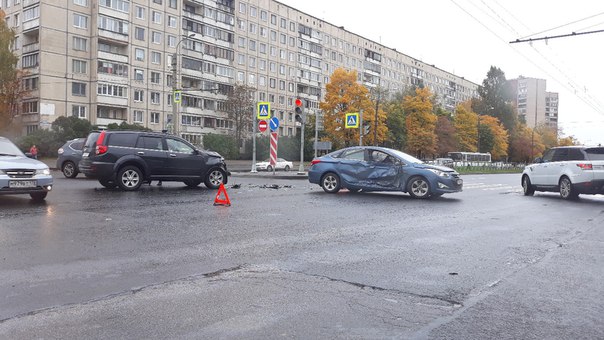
column 110, row 61
column 534, row 104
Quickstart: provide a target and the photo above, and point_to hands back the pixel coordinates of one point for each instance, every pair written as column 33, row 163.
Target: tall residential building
column 110, row 61
column 534, row 104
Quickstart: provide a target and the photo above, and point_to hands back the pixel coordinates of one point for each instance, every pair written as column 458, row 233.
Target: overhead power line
column 555, row 36
column 570, row 23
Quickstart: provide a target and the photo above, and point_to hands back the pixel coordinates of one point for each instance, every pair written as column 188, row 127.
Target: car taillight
column 585, row 166
column 100, row 148
column 315, row 161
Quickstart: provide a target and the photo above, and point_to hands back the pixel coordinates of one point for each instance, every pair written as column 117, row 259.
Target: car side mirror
column 29, row 155
column 538, row 160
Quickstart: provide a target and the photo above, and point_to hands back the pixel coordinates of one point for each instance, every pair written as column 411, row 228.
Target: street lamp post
column 175, row 118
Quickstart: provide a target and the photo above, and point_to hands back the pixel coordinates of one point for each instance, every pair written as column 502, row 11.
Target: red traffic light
column 298, row 102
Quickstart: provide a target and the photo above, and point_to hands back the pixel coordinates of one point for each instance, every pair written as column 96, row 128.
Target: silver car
column 22, row 175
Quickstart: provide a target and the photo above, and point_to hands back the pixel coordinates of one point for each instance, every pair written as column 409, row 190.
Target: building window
column 156, row 38
column 139, row 33
column 80, row 21
column 155, row 97
column 140, row 12
column 139, row 96
column 155, row 77
column 81, row 2
column 172, row 3
column 31, row 13
column 139, row 74
column 137, row 116
column 172, row 21
column 28, row 61
column 30, row 107
column 78, row 111
column 78, row 89
column 30, row 83
column 155, row 57
column 139, row 54
column 79, row 66
column 171, row 41
column 154, row 119
column 80, row 44
column 156, row 17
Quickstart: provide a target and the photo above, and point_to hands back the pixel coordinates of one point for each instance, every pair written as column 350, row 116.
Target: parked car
column 444, row 162
column 130, row 158
column 281, row 164
column 70, row 155
column 570, row 170
column 22, row 175
column 369, row 168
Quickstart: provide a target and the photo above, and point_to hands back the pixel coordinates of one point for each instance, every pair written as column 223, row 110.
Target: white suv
column 571, row 170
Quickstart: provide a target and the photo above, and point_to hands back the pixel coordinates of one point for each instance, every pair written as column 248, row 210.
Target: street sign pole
column 361, row 127
column 255, row 119
column 301, row 168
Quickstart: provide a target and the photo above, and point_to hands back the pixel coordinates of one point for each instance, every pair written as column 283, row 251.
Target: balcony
column 33, row 47
column 114, row 13
column 30, row 2
column 107, row 121
column 113, row 56
column 31, row 24
column 30, row 118
column 112, row 101
column 123, row 38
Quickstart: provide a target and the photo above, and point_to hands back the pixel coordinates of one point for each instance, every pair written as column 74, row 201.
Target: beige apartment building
column 534, row 104
column 110, row 61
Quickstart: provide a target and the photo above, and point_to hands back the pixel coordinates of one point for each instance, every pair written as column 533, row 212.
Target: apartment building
column 534, row 104
column 110, row 61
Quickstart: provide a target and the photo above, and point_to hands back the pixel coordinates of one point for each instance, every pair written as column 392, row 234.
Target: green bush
column 45, row 140
column 224, row 145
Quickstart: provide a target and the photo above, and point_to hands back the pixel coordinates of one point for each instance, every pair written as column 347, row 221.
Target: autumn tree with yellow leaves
column 466, row 126
column 344, row 95
column 499, row 148
column 420, row 123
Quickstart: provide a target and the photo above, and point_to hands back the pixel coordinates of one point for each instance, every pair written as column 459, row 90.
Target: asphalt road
column 286, row 260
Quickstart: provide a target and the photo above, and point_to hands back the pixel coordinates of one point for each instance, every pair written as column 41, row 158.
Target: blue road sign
column 274, row 124
column 264, row 110
column 352, row 120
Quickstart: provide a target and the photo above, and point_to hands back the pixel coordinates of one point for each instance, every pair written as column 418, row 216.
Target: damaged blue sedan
column 371, row 168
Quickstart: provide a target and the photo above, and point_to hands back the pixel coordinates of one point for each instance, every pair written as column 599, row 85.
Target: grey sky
column 466, row 37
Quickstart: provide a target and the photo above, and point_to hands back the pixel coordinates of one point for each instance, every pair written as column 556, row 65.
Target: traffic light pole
column 255, row 120
column 361, row 127
column 301, row 168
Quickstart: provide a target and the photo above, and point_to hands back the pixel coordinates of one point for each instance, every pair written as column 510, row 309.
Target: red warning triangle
column 219, row 201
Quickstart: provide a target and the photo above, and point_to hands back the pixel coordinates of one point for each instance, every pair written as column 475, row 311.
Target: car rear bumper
column 96, row 169
column 592, row 187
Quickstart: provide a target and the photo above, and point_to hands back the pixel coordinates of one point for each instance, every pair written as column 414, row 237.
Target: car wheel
column 38, row 196
column 566, row 189
column 69, row 169
column 130, row 178
column 418, row 187
column 330, row 183
column 269, row 168
column 527, row 188
column 192, row 182
column 107, row 183
column 287, row 168
column 214, row 178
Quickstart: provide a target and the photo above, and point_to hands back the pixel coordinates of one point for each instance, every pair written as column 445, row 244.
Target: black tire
column 214, row 178
column 330, row 182
column 269, row 168
column 527, row 188
column 38, row 196
column 353, row 190
column 192, row 183
column 287, row 168
column 130, row 178
column 418, row 187
column 107, row 183
column 566, row 189
column 69, row 169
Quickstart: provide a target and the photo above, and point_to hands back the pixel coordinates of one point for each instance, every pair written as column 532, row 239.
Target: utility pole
column 375, row 123
column 478, row 135
column 255, row 120
column 316, row 131
column 361, row 127
column 175, row 118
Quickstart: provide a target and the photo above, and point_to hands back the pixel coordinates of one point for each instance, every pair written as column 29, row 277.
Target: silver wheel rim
column 565, row 188
column 525, row 185
column 419, row 188
column 216, row 177
column 68, row 169
column 130, row 178
column 330, row 183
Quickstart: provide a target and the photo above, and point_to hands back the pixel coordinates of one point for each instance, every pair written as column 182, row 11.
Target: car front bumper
column 43, row 183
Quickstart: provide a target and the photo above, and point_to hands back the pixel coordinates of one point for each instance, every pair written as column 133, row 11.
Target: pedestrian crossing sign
column 352, row 120
column 264, row 110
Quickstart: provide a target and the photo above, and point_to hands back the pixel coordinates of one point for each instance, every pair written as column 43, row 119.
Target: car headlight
column 440, row 173
column 45, row 171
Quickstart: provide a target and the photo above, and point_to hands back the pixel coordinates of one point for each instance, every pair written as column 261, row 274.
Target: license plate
column 85, row 154
column 22, row 184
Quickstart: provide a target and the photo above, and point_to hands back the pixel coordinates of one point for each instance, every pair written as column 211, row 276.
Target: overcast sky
column 466, row 37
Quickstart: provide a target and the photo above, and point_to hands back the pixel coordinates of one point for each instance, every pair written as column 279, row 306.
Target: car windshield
column 407, row 158
column 7, row 148
column 91, row 140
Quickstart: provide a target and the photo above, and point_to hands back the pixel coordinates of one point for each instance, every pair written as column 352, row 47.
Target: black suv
column 130, row 158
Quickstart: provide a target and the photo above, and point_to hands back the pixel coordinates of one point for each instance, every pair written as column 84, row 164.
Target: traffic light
column 299, row 111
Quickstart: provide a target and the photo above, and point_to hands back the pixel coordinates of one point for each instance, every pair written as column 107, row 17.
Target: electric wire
column 568, row 24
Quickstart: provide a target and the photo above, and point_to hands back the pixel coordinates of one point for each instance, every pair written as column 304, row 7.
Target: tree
column 240, row 109
column 420, row 123
column 447, row 138
column 549, row 135
column 395, row 121
column 525, row 144
column 466, row 126
column 344, row 95
column 499, row 136
column 125, row 127
column 11, row 90
column 486, row 137
column 67, row 128
column 495, row 98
